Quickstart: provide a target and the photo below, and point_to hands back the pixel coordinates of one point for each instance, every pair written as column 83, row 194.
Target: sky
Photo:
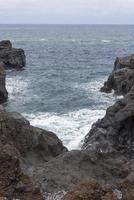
column 66, row 11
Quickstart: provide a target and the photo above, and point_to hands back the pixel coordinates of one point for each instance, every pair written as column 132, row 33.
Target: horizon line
column 66, row 24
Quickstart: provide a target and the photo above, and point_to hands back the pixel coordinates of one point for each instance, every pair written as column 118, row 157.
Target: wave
column 70, row 128
column 73, row 40
column 43, row 39
column 106, row 41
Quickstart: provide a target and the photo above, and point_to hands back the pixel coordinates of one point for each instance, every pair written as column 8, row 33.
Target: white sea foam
column 73, row 40
column 43, row 39
column 71, row 127
column 106, row 41
column 16, row 87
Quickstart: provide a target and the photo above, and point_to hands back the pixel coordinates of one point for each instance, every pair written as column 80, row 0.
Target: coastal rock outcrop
column 121, row 79
column 11, row 57
column 34, row 145
column 24, row 148
column 3, row 91
column 115, row 131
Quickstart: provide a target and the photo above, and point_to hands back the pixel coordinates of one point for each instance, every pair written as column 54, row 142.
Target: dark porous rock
column 93, row 190
column 90, row 190
column 66, row 170
column 5, row 44
column 3, row 91
column 14, row 184
column 121, row 79
column 115, row 132
column 34, row 145
column 11, row 57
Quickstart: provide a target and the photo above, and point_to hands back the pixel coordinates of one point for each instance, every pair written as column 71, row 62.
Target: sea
column 66, row 65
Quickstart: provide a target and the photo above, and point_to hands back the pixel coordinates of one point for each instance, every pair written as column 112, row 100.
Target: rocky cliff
column 121, row 79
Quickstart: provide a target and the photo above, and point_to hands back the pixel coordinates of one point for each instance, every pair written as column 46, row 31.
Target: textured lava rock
column 11, row 57
column 14, row 184
column 66, row 170
column 90, row 190
column 115, row 132
column 34, row 144
column 121, row 79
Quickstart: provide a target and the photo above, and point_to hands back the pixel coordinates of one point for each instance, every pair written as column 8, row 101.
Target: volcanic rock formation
column 121, row 79
column 11, row 57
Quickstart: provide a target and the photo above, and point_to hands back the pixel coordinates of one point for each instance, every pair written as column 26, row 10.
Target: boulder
column 11, row 57
column 121, row 79
column 35, row 145
column 3, row 91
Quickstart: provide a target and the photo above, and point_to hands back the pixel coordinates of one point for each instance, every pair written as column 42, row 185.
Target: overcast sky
column 67, row 11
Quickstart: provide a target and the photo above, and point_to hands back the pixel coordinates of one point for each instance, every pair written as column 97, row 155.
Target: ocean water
column 58, row 90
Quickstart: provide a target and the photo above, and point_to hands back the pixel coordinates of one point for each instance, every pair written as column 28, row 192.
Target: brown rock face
column 14, row 184
column 11, row 57
column 3, row 91
column 90, row 190
column 23, row 149
column 121, row 79
column 34, row 144
column 127, row 188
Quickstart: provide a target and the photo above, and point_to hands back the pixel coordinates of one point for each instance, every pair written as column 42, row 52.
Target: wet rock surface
column 11, row 57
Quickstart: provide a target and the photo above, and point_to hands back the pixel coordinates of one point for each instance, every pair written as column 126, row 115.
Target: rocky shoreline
column 34, row 164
